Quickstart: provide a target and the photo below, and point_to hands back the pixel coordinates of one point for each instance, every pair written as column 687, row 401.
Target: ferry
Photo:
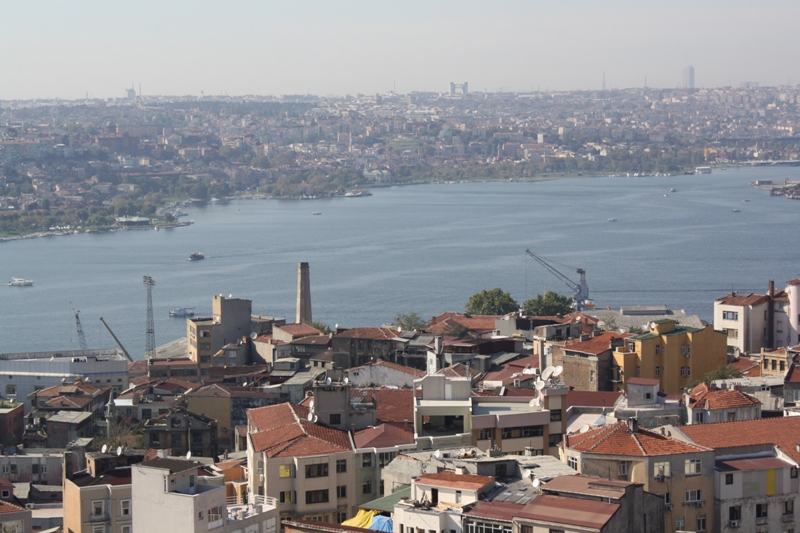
column 702, row 170
column 20, row 282
column 358, row 193
column 182, row 312
column 196, row 256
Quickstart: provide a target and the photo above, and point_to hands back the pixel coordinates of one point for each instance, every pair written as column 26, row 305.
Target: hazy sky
column 175, row 47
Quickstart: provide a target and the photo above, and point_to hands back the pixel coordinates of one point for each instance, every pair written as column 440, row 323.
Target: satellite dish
column 119, row 450
column 244, row 384
column 104, row 449
column 539, row 384
column 558, row 371
column 328, row 381
column 584, row 428
column 346, row 380
column 253, row 335
column 526, row 473
column 188, row 455
column 314, row 420
column 336, row 326
column 63, row 380
column 528, row 371
column 310, row 417
column 536, row 482
column 311, row 404
column 437, row 454
column 548, row 372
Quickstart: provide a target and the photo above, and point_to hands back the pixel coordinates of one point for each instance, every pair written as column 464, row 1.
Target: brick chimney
column 303, row 315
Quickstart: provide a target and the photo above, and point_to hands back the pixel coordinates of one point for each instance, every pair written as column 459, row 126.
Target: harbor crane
column 117, row 340
column 81, row 336
column 580, row 289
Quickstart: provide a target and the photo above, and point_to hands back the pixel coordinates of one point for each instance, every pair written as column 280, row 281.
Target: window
column 366, row 488
column 126, row 529
column 176, row 439
column 638, row 371
column 658, row 349
column 43, row 469
column 685, row 371
column 591, row 376
column 286, row 496
column 191, row 480
column 318, row 470
column 693, row 495
column 572, row 462
column 147, row 414
column 381, row 488
column 525, row 529
column 554, row 439
column 680, row 523
column 384, row 458
column 762, row 510
column 335, row 419
column 730, row 315
column 317, row 496
column 366, row 460
column 98, row 506
column 733, row 333
column 214, row 514
column 735, row 512
column 5, row 494
column 783, row 365
column 788, row 507
column 667, row 499
column 693, row 467
column 701, row 523
column 774, row 366
column 34, row 469
column 658, row 371
column 341, row 491
column 793, row 472
column 623, row 468
column 283, row 470
column 98, row 529
column 729, row 479
column 535, row 431
column 500, row 470
column 11, row 390
column 341, row 466
column 458, row 496
column 699, row 417
column 484, row 434
column 507, row 432
column 125, row 507
column 555, row 415
column 631, row 346
column 661, row 469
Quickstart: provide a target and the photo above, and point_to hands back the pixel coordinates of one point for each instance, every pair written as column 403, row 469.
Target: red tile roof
column 383, row 436
column 743, row 300
column 393, row 366
column 792, row 374
column 592, row 398
column 474, row 323
column 368, row 333
column 447, row 478
column 501, row 511
column 596, row 345
column 8, row 507
column 747, row 367
column 781, row 432
column 299, row 330
column 618, row 439
column 459, row 370
column 704, row 397
column 755, row 463
column 283, row 431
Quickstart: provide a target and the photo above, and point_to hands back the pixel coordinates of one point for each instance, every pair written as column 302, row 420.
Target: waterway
column 422, row 248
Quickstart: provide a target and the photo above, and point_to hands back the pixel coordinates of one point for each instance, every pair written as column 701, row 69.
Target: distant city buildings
column 688, row 77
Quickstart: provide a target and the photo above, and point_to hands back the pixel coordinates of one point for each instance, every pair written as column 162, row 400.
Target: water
column 422, row 248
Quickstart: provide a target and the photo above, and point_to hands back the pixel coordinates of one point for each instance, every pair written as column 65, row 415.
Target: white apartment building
column 447, row 405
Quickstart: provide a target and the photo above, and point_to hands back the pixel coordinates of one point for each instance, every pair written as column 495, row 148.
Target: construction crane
column 117, row 340
column 150, row 345
column 580, row 289
column 81, row 336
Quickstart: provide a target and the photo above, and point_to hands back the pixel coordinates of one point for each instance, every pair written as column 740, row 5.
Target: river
column 422, row 248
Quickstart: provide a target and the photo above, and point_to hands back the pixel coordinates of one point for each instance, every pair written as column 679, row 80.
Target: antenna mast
column 150, row 345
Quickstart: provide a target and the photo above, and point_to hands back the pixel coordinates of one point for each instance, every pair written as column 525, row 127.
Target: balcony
column 789, row 517
column 98, row 518
column 760, row 521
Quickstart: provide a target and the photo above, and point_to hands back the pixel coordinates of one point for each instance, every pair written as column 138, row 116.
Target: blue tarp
column 381, row 523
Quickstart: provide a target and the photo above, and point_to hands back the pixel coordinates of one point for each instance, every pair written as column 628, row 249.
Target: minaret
column 303, row 315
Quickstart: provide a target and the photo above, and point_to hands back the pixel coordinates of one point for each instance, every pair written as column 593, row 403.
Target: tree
column 491, row 302
column 551, row 304
column 409, row 321
column 722, row 372
column 324, row 328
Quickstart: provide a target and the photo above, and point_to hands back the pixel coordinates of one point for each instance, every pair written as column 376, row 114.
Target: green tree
column 324, row 328
column 409, row 321
column 491, row 302
column 722, row 372
column 551, row 304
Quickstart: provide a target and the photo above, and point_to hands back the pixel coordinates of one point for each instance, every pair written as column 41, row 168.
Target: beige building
column 442, row 411
column 99, row 503
column 308, row 469
column 682, row 474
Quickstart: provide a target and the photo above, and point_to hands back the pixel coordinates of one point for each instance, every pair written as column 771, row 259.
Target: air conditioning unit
column 668, row 506
column 733, row 523
column 698, row 504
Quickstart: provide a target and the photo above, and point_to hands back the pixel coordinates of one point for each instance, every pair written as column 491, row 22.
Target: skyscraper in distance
column 688, row 77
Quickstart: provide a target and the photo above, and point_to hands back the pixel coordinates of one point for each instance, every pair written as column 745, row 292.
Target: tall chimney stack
column 303, row 315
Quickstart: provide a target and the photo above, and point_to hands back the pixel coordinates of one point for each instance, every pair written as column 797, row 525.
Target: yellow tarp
column 363, row 519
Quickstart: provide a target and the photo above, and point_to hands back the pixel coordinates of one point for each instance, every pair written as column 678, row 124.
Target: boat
column 20, row 282
column 737, row 210
column 612, row 219
column 702, row 170
column 673, row 190
column 746, row 200
column 182, row 312
column 196, row 256
column 358, row 193
column 316, row 213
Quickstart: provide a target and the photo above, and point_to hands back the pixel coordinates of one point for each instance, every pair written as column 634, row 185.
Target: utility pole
column 150, row 345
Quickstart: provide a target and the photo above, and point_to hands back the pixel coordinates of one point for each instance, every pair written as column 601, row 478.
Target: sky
column 57, row 49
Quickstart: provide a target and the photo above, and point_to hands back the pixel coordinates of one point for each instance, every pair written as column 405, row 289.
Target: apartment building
column 99, row 503
column 670, row 353
column 707, row 403
column 680, row 473
column 442, row 411
column 14, row 518
column 307, row 468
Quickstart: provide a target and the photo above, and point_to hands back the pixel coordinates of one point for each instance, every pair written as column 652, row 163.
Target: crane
column 580, row 289
column 81, row 336
column 117, row 340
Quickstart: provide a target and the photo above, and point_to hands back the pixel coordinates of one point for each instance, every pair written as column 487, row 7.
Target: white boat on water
column 20, row 282
column 182, row 312
column 196, row 256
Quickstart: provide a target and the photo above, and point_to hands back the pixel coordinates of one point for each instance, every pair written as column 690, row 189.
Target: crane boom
column 580, row 289
column 81, row 336
column 117, row 340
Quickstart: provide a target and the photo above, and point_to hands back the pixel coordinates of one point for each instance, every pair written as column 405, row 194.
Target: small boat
column 182, row 312
column 666, row 195
column 736, row 210
column 746, row 200
column 673, row 190
column 316, row 213
column 20, row 282
column 196, row 256
column 612, row 219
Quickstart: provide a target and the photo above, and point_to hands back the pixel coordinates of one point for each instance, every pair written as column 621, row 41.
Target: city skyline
column 98, row 50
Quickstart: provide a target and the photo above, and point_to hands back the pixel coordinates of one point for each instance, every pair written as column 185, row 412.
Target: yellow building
column 670, row 353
